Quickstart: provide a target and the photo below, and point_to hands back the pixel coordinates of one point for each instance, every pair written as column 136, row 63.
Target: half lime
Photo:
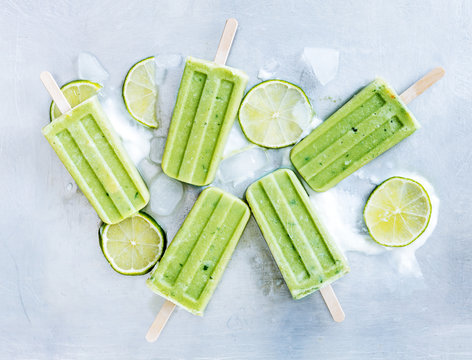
column 140, row 92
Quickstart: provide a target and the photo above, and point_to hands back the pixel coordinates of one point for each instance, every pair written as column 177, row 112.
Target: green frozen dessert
column 369, row 124
column 195, row 261
column 207, row 104
column 92, row 152
column 307, row 256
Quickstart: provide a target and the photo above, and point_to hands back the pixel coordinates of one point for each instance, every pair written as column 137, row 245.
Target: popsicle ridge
column 103, row 170
column 183, row 126
column 76, row 163
column 336, row 131
column 212, row 249
column 373, row 131
column 202, row 242
column 292, row 253
column 295, row 221
column 171, row 269
column 204, row 133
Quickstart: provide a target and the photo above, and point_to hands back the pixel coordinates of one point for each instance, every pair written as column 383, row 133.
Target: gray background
column 59, row 299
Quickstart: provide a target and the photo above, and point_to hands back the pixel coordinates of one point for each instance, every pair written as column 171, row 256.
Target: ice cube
column 269, row 70
column 148, row 170
column 157, row 149
column 285, row 161
column 239, row 167
column 89, row 68
column 323, row 62
column 166, row 194
column 169, row 60
column 71, row 187
column 275, row 156
column 236, row 141
column 168, row 77
column 161, row 74
column 135, row 136
column 164, row 63
column 315, row 121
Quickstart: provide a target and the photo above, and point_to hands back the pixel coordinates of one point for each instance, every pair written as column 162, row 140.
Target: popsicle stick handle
column 55, row 91
column 332, row 303
column 160, row 321
column 226, row 41
column 422, row 84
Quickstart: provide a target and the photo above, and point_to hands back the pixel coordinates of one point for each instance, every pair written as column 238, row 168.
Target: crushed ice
column 135, row 136
column 268, row 70
column 236, row 142
column 157, row 149
column 89, row 68
column 323, row 62
column 148, row 170
column 166, row 194
column 245, row 164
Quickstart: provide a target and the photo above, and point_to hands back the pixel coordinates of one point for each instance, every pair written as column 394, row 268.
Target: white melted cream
column 342, row 213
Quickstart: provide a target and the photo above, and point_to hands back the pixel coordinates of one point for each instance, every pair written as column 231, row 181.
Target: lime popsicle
column 305, row 253
column 92, row 152
column 195, row 261
column 207, row 104
column 372, row 122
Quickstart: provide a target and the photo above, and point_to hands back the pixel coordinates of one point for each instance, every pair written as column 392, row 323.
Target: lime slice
column 140, row 92
column 75, row 92
column 275, row 113
column 134, row 245
column 397, row 212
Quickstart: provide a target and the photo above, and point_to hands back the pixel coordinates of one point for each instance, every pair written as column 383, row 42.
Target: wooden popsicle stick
column 226, row 41
column 332, row 303
column 422, row 84
column 221, row 55
column 55, row 91
column 160, row 321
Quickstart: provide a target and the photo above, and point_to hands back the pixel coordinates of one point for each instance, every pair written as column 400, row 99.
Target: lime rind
column 116, row 229
column 262, row 106
column 89, row 88
column 147, row 99
column 427, row 213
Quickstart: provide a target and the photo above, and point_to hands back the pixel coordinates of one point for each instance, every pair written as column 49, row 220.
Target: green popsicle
column 207, row 104
column 92, row 152
column 305, row 253
column 369, row 124
column 195, row 261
